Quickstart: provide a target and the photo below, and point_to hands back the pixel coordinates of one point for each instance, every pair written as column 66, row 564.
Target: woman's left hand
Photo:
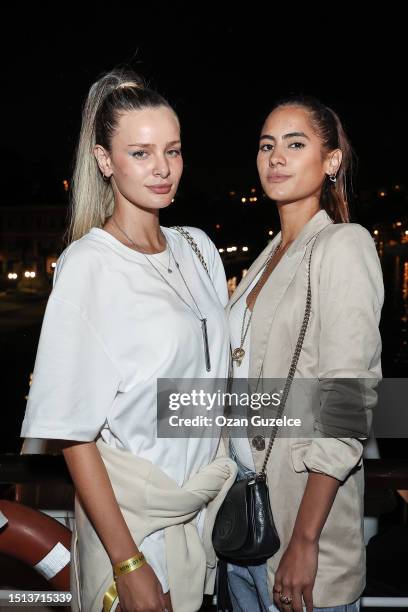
column 296, row 575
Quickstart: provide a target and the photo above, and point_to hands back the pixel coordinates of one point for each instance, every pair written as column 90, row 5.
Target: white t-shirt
column 112, row 326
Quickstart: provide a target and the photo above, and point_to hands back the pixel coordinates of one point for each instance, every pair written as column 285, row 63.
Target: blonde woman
column 131, row 303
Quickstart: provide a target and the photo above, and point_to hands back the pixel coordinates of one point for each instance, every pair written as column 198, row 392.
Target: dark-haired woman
column 316, row 481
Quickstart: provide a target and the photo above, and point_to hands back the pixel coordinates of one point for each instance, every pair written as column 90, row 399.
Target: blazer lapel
column 252, row 272
column 265, row 308
column 274, row 290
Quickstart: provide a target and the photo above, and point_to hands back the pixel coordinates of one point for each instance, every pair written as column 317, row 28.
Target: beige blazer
column 342, row 341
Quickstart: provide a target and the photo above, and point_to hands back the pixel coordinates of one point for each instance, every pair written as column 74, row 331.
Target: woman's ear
column 333, row 162
column 104, row 161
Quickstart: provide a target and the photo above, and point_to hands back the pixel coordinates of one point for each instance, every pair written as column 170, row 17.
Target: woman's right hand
column 140, row 591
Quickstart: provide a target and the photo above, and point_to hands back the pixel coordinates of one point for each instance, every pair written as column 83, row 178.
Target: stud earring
column 332, row 178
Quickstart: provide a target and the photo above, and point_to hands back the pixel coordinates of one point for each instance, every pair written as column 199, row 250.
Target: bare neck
column 293, row 217
column 139, row 224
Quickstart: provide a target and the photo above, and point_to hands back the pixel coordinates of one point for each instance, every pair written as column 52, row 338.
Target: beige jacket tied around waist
column 149, row 501
column 342, row 342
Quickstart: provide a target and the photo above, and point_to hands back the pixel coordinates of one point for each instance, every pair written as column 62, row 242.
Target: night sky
column 221, row 67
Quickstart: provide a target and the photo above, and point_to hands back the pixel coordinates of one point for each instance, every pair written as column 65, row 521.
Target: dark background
column 221, row 66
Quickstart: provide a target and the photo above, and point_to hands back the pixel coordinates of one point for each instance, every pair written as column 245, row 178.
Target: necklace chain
column 169, row 270
column 239, row 353
column 171, row 254
column 184, row 281
column 199, row 316
column 132, row 242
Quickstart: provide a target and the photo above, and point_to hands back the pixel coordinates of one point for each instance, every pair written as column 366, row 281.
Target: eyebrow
column 290, row 135
column 146, row 144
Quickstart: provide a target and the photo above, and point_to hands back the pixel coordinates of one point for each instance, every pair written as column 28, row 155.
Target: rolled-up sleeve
column 350, row 299
column 74, row 381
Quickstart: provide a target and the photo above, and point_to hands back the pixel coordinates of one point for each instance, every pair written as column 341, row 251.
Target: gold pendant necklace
column 239, row 353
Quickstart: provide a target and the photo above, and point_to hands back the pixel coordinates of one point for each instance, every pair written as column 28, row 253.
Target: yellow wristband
column 109, row 598
column 124, row 567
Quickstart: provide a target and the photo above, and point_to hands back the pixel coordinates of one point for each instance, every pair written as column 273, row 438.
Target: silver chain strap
column 299, row 343
column 293, row 365
column 193, row 245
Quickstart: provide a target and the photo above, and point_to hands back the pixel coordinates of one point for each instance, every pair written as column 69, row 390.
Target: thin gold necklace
column 239, row 353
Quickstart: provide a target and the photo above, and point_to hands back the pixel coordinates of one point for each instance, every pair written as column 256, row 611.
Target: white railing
column 384, row 602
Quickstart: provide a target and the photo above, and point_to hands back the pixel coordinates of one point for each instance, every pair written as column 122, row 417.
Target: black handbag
column 244, row 530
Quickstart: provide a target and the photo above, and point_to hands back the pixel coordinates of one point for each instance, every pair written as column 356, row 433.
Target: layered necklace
column 168, row 267
column 199, row 316
column 239, row 353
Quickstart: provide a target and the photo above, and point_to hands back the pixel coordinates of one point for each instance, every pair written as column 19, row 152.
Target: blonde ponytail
column 92, row 199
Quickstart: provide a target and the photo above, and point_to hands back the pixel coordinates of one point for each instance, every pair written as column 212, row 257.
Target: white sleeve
column 74, row 381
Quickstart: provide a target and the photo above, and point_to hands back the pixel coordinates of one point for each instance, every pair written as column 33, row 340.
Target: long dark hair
column 334, row 196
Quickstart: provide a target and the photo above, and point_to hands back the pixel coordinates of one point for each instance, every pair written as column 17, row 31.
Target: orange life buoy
column 37, row 540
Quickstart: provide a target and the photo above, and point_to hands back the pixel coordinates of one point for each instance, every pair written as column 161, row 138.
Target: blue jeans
column 248, row 584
